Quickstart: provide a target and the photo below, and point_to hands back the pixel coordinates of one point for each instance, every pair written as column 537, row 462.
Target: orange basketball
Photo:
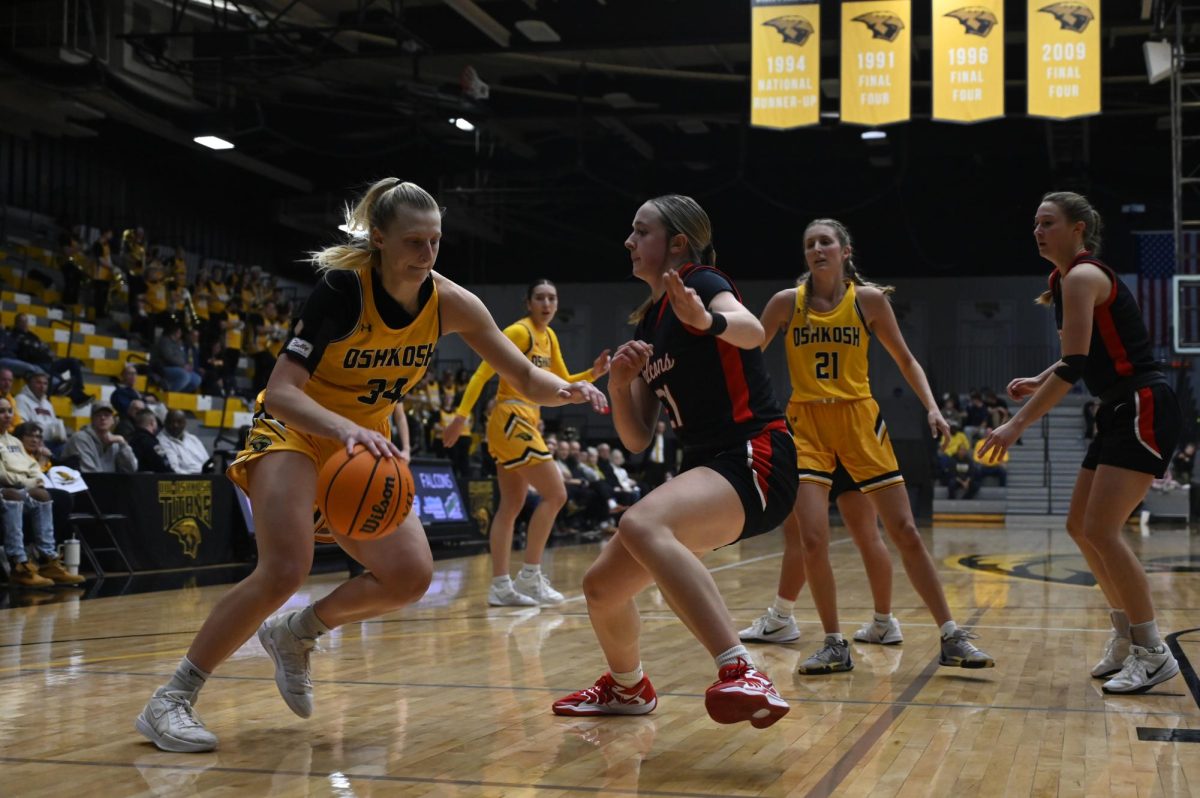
column 364, row 497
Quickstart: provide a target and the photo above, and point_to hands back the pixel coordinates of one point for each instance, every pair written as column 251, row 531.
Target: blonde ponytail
column 375, row 210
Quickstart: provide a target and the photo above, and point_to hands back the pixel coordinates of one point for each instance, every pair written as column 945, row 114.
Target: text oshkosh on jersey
column 388, row 358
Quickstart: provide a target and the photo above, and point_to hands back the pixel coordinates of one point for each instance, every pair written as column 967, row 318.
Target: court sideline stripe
column 351, row 776
column 849, row 760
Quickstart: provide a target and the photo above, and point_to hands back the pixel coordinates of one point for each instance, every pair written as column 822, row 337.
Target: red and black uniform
column 721, row 405
column 1138, row 424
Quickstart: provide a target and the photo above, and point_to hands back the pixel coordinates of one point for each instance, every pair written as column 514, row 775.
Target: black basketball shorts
column 1139, row 431
column 762, row 471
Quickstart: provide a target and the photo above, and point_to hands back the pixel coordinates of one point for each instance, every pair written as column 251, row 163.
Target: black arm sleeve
column 330, row 314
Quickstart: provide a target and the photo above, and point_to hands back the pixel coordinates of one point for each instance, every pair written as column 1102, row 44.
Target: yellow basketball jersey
column 364, row 374
column 540, row 353
column 827, row 356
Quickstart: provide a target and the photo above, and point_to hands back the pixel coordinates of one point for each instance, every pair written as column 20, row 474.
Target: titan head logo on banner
column 1064, row 58
column 186, row 512
column 876, row 61
column 785, row 79
column 968, row 60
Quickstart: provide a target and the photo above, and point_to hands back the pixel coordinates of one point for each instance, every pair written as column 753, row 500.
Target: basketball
column 364, row 497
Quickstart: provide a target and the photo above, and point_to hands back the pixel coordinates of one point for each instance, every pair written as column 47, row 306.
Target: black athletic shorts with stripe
column 1139, row 431
column 762, row 471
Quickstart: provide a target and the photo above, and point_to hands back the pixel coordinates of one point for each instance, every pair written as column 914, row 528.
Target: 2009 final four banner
column 1064, row 58
column 876, row 61
column 785, row 79
column 968, row 60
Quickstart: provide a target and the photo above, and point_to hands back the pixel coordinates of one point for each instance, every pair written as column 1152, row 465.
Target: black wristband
column 719, row 324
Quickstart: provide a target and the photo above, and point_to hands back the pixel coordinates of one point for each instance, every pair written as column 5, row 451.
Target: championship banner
column 785, row 79
column 876, row 61
column 1064, row 58
column 968, row 60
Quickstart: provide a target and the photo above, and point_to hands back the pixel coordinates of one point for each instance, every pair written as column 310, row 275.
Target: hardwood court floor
column 451, row 698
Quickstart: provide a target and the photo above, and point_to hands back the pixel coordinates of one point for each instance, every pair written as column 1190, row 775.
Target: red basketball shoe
column 743, row 693
column 606, row 697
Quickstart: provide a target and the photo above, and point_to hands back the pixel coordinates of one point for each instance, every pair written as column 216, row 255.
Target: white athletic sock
column 1145, row 634
column 502, row 581
column 629, row 678
column 949, row 628
column 306, row 625
column 883, row 618
column 782, row 607
column 529, row 571
column 837, row 636
column 1120, row 622
column 187, row 679
column 732, row 655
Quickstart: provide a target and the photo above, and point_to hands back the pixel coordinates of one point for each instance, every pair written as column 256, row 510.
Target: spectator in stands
column 30, row 436
column 993, row 466
column 957, row 440
column 102, row 273
column 10, row 356
column 627, row 491
column 37, row 352
column 125, row 421
column 6, row 383
column 98, row 447
column 950, row 409
column 660, row 456
column 22, row 488
column 963, row 476
column 170, row 359
column 149, row 452
column 72, row 267
column 977, row 415
column 127, row 392
column 185, row 452
column 33, row 404
column 232, row 327
column 997, row 408
column 211, row 367
column 1184, row 463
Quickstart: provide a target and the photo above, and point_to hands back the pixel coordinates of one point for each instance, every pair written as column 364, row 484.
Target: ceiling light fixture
column 873, row 135
column 462, row 124
column 214, row 142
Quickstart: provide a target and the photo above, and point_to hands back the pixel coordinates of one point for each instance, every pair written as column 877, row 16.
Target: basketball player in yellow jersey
column 828, row 321
column 516, row 443
column 366, row 335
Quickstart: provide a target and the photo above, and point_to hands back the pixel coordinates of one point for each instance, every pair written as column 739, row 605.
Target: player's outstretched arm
column 465, row 314
column 777, row 314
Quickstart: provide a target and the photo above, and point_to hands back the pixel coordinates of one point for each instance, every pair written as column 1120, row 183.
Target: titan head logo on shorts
column 259, row 443
column 882, row 24
column 1071, row 16
column 977, row 20
column 795, row 30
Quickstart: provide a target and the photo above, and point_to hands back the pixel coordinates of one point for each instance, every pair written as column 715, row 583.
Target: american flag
column 1156, row 265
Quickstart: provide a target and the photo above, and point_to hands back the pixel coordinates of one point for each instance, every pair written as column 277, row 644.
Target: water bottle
column 68, row 550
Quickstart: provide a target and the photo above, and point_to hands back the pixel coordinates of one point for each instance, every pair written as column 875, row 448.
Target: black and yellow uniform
column 831, row 412
column 513, row 437
column 364, row 352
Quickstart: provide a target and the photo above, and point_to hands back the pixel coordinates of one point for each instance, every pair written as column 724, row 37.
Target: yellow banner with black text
column 876, row 61
column 968, row 60
column 785, row 80
column 1064, row 58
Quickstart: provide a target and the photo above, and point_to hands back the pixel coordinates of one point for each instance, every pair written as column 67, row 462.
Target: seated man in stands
column 994, row 466
column 956, row 442
column 99, row 449
column 169, row 357
column 185, row 452
column 963, row 476
column 22, row 488
column 34, row 405
column 144, row 442
column 34, row 350
column 127, row 392
column 10, row 356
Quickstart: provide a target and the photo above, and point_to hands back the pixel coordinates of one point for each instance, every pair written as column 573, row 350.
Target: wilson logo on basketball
column 379, row 510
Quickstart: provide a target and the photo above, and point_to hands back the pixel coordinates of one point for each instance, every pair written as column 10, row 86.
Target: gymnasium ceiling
column 635, row 98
